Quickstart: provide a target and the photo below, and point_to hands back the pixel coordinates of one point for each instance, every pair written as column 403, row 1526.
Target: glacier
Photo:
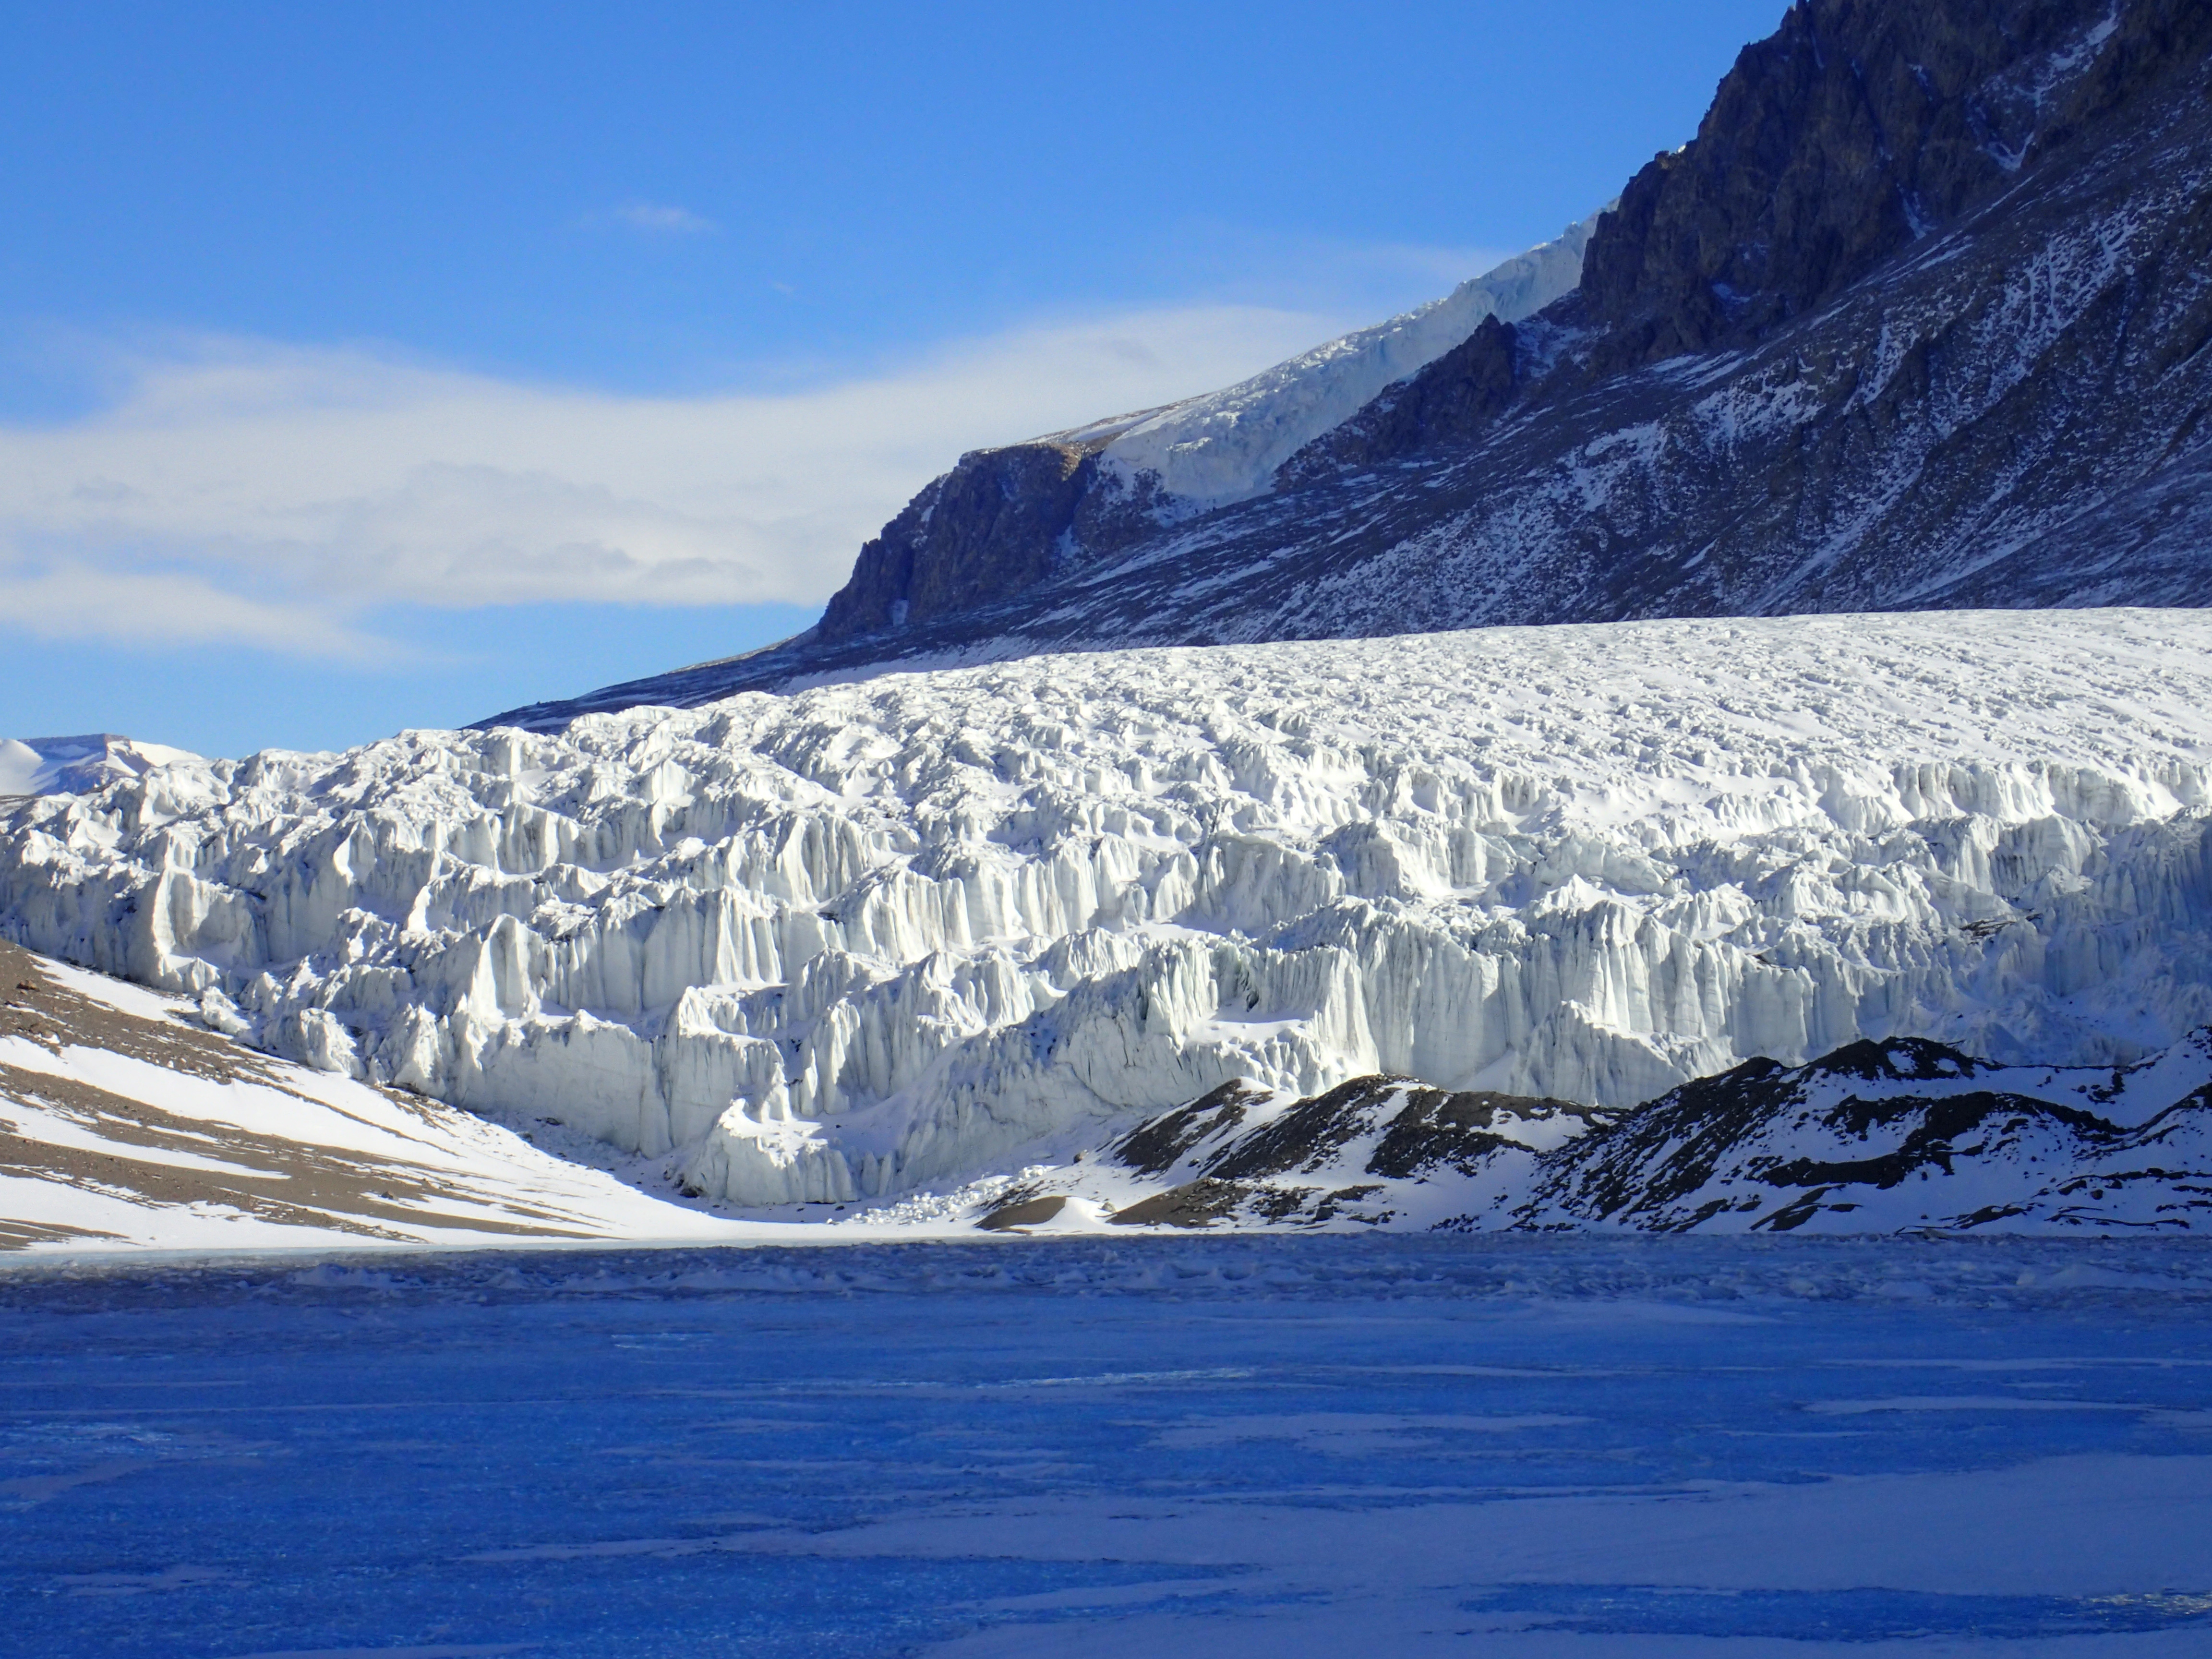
column 881, row 936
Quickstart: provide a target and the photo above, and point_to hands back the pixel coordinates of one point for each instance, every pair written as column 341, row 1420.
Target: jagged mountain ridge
column 1917, row 320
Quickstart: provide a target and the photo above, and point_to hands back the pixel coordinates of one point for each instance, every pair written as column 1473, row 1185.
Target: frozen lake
column 1256, row 1445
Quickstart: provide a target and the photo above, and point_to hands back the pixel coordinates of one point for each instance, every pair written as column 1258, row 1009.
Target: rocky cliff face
column 1918, row 319
column 989, row 527
column 1829, row 147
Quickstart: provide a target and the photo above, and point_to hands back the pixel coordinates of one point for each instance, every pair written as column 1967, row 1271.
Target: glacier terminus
column 837, row 946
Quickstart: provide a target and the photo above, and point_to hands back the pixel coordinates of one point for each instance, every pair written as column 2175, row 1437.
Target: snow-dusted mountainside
column 900, row 934
column 1891, row 1137
column 1918, row 320
column 75, row 766
column 123, row 1122
column 1886, row 1137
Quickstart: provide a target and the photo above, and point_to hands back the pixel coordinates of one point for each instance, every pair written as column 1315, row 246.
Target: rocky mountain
column 882, row 938
column 1918, row 319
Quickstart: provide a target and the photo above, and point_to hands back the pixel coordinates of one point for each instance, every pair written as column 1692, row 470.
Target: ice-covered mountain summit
column 879, row 936
column 1226, row 447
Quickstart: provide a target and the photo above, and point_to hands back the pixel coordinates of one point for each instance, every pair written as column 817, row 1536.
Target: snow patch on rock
column 1224, row 446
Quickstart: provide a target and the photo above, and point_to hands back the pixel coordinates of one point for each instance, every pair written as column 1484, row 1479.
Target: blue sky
column 363, row 366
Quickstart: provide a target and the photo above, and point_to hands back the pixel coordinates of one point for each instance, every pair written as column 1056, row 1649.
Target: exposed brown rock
column 1193, row 1203
column 293, row 1183
column 1025, row 1213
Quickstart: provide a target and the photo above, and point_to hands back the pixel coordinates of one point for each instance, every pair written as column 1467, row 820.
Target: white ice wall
column 881, row 935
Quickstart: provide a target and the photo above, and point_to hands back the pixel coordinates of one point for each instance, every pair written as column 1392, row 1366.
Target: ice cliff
column 873, row 937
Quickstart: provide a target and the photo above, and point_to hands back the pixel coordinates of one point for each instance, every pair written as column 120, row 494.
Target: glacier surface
column 52, row 766
column 879, row 936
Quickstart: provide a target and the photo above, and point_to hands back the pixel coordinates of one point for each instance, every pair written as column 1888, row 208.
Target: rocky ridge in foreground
column 1901, row 1136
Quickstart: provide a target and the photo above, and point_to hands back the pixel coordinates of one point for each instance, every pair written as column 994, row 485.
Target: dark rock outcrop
column 1829, row 147
column 989, row 527
column 1902, row 1135
column 1449, row 402
column 1768, row 1148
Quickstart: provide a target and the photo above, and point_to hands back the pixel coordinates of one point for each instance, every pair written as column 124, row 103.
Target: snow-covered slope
column 1888, row 1137
column 124, row 1123
column 50, row 766
column 874, row 938
column 1372, row 1152
column 1225, row 447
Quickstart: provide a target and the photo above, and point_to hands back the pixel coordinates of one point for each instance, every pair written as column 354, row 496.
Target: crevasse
column 883, row 935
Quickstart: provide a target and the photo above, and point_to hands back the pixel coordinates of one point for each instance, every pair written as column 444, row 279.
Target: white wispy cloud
column 275, row 496
column 149, row 607
column 660, row 218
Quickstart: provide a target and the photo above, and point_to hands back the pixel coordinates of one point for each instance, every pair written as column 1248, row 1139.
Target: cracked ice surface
column 908, row 932
column 1280, row 1448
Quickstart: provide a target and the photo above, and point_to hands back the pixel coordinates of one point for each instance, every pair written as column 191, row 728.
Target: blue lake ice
column 1229, row 1445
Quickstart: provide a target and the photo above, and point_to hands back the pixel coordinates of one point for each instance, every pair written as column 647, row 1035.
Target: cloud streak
column 276, row 496
column 155, row 607
column 659, row 219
